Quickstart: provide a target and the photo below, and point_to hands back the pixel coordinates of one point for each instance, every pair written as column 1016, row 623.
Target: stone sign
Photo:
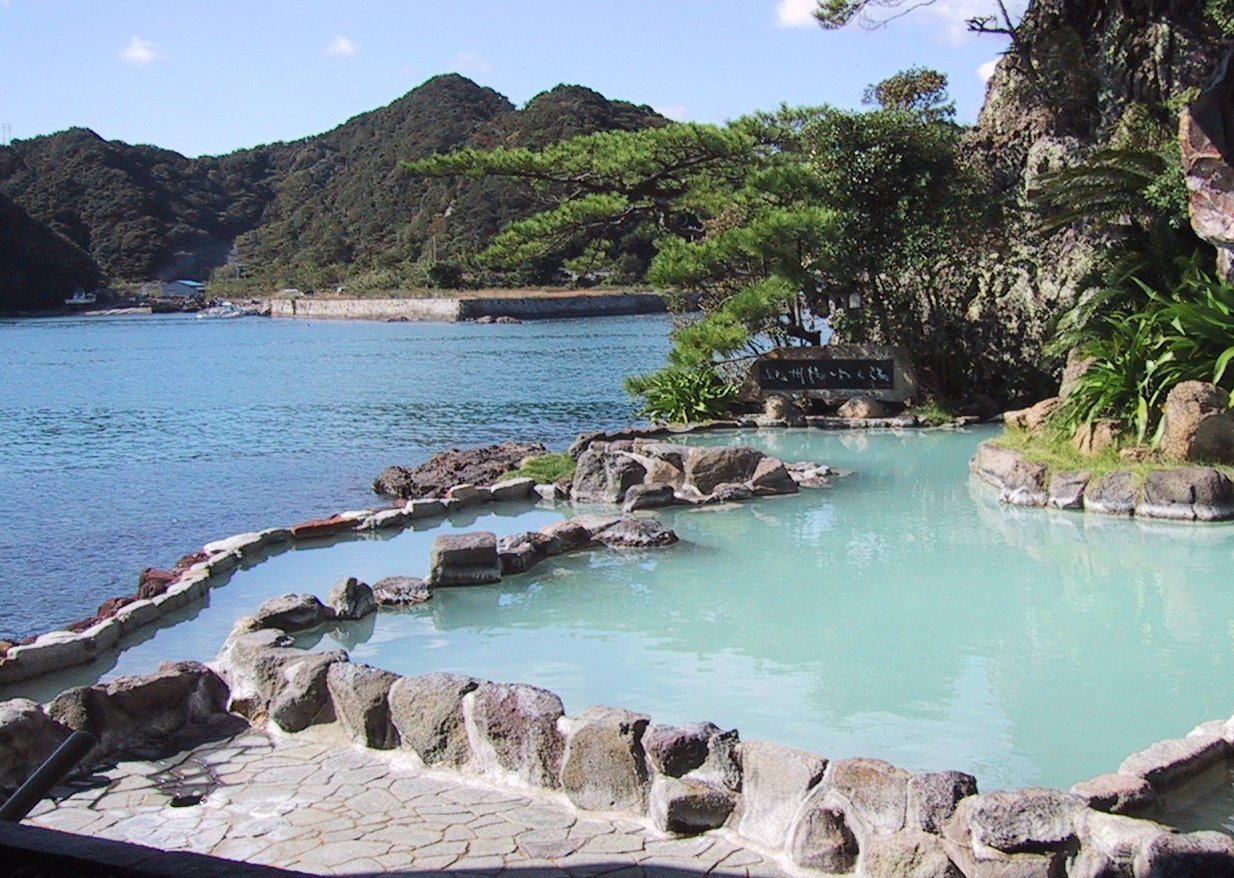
column 833, row 374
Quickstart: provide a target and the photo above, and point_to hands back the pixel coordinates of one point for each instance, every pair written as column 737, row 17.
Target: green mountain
column 328, row 209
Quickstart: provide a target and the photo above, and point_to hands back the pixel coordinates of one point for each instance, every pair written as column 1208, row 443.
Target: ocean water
column 126, row 442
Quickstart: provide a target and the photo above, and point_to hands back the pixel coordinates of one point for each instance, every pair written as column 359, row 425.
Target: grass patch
column 931, row 414
column 544, row 469
column 1058, row 454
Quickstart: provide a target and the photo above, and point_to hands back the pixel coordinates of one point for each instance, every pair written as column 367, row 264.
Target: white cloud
column 796, row 13
column 676, row 112
column 470, row 64
column 139, row 51
column 986, row 70
column 341, row 47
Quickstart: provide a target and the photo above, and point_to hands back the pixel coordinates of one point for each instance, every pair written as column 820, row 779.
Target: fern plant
column 682, row 395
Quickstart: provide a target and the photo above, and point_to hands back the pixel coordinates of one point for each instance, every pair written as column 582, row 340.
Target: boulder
column 778, row 407
column 701, row 751
column 359, row 694
column 771, row 477
column 476, row 466
column 687, row 807
column 1033, row 418
column 708, row 466
column 464, row 559
column 27, row 737
column 821, row 839
column 1076, row 367
column 1030, row 821
column 1066, row 490
column 873, row 791
column 515, row 732
column 805, row 474
column 861, row 407
column 933, row 796
column 351, row 599
column 469, row 495
column 522, row 551
column 1019, row 481
column 775, row 782
column 1188, row 494
column 400, row 591
column 299, row 695
column 1116, row 494
column 908, row 854
column 1190, row 855
column 427, row 713
column 1204, row 136
column 293, row 612
column 1115, row 793
column 652, row 496
column 509, row 490
column 1167, row 763
column 569, row 534
column 1197, row 424
column 636, row 533
column 1096, row 436
column 138, row 713
column 603, row 768
column 603, row 475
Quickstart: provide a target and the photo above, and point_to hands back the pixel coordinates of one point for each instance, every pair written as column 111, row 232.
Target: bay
column 129, row 441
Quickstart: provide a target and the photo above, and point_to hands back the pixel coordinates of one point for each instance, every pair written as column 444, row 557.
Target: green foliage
column 917, row 90
column 445, row 275
column 38, row 268
column 544, row 468
column 1221, row 13
column 1182, row 333
column 932, row 413
column 681, row 394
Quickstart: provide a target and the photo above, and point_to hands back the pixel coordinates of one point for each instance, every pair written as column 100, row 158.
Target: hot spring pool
column 901, row 614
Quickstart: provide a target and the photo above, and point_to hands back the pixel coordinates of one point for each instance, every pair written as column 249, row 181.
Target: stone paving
column 314, row 804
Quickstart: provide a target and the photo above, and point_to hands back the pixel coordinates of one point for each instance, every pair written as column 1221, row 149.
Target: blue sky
column 210, row 77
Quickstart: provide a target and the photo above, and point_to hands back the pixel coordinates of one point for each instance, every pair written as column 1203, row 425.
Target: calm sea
column 128, row 441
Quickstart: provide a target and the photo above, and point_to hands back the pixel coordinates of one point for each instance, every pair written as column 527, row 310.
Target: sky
column 205, row 77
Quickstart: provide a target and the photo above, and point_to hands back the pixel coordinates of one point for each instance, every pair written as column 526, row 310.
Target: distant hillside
column 328, row 209
column 37, row 266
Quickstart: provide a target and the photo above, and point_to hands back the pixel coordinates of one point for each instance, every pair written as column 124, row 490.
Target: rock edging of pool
column 724, row 475
column 857, row 816
column 1188, row 493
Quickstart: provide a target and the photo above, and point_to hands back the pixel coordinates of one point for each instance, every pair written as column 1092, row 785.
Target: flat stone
column 469, row 495
column 648, row 497
column 1168, row 763
column 509, row 490
column 400, row 591
column 465, row 559
column 1116, row 793
column 1028, row 820
column 292, row 612
column 635, row 533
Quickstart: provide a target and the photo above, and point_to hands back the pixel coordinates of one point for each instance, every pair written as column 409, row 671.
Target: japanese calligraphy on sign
column 826, row 374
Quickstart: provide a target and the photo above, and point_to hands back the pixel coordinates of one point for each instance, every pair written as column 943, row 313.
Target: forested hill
column 313, row 212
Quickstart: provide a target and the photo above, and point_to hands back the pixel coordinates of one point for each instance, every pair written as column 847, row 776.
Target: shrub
column 681, row 394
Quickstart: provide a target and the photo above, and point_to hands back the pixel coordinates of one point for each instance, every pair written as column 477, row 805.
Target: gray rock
column 648, row 497
column 303, row 700
column 427, row 712
column 1033, row 418
column 1115, row 494
column 708, row 466
column 1116, row 793
column 862, row 407
column 569, row 534
column 687, row 807
column 593, row 524
column 1187, row 494
column 145, row 710
column 293, row 612
column 932, row 798
column 27, row 737
column 551, row 493
column 515, row 728
column 1030, row 820
column 636, row 533
column 400, row 591
column 732, row 493
column 908, row 854
column 1197, row 424
column 464, row 559
column 771, row 477
column 1067, row 490
column 775, row 782
column 821, row 839
column 1190, row 855
column 1110, row 845
column 604, row 474
column 1168, row 763
column 359, row 694
column 425, row 508
column 873, row 790
column 508, row 490
column 469, row 495
column 522, row 551
column 677, row 750
column 351, row 599
column 1020, row 482
column 603, row 768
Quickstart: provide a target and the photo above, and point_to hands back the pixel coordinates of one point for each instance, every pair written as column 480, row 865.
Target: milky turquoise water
column 901, row 613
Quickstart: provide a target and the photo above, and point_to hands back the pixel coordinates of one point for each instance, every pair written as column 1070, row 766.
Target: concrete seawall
column 471, row 308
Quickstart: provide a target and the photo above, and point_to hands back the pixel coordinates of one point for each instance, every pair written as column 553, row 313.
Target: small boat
column 221, row 311
column 81, row 298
